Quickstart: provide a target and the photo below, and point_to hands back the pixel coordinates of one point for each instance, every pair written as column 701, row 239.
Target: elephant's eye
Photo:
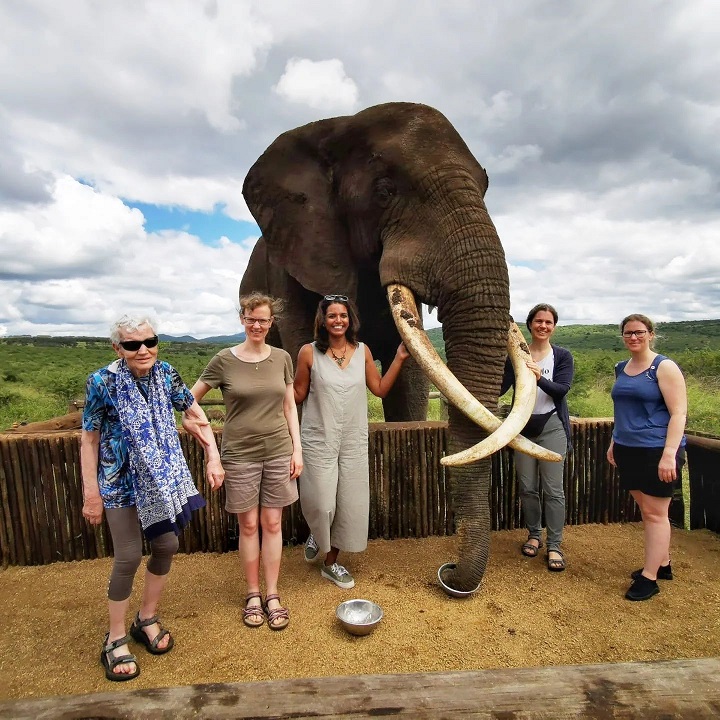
column 384, row 191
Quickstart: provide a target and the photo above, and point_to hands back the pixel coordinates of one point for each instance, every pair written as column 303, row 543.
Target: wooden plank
column 71, row 421
column 423, row 482
column 18, row 508
column 33, row 479
column 86, row 539
column 31, row 505
column 676, row 689
column 374, row 466
column 703, row 442
column 568, row 484
column 435, row 506
column 63, row 520
column 7, row 536
column 599, row 460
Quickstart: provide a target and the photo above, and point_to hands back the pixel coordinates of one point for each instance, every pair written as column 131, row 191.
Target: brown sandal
column 279, row 613
column 555, row 564
column 253, row 615
column 530, row 550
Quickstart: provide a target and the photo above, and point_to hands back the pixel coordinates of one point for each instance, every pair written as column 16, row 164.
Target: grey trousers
column 534, row 474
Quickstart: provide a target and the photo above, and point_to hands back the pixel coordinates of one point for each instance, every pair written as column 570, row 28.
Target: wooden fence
column 704, row 467
column 41, row 492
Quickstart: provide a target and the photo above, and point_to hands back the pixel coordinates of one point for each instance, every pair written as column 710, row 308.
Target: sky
column 127, row 129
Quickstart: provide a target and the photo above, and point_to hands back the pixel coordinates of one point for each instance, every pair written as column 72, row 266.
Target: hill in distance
column 214, row 340
column 73, row 340
column 670, row 337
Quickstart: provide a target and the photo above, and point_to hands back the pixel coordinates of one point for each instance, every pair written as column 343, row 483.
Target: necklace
column 339, row 360
column 242, row 354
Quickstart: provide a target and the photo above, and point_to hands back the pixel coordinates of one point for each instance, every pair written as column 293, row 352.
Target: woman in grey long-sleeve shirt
column 549, row 427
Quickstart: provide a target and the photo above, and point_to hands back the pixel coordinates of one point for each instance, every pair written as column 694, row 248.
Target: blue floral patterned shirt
column 100, row 414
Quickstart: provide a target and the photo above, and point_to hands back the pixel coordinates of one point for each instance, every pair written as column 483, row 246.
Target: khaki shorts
column 266, row 483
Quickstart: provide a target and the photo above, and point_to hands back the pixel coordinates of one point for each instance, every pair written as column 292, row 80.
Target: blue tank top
column 641, row 415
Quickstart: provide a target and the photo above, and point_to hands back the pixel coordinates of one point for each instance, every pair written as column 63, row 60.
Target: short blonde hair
column 256, row 299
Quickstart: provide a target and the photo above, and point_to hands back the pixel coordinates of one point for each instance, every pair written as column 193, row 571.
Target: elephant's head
column 389, row 204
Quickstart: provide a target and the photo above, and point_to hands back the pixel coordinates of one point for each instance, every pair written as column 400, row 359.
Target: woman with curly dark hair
column 330, row 380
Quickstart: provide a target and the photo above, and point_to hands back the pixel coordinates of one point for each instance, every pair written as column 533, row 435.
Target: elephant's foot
column 445, row 580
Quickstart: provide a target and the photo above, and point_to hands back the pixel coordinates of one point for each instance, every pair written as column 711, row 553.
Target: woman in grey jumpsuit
column 330, row 380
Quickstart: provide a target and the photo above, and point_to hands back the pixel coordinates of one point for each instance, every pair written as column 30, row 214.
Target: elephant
column 387, row 207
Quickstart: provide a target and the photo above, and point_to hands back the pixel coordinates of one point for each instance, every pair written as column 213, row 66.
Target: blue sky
column 208, row 227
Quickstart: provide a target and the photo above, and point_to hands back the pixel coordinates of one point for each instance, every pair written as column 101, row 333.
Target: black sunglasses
column 134, row 345
column 339, row 298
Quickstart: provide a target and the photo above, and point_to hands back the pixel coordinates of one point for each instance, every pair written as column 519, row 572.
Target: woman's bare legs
column 249, row 551
column 152, row 590
column 656, row 531
column 271, row 522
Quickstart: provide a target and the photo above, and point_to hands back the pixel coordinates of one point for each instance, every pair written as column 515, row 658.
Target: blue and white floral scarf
column 165, row 494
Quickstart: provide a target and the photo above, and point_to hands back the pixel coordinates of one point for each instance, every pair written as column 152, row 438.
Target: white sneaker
column 339, row 575
column 311, row 549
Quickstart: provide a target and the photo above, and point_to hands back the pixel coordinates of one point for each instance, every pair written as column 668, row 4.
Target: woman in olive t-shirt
column 261, row 450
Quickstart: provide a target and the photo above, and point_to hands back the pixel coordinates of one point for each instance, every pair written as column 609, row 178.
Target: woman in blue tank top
column 648, row 444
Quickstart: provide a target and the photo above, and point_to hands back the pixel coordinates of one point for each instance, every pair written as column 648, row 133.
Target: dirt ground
column 54, row 616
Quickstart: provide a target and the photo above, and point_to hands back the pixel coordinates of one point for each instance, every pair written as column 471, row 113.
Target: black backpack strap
column 619, row 367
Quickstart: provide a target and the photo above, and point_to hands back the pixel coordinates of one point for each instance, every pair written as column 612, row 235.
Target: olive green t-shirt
column 255, row 425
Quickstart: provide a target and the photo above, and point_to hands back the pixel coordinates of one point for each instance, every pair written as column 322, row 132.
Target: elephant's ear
column 289, row 191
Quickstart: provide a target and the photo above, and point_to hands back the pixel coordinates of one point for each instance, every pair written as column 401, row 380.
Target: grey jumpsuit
column 334, row 485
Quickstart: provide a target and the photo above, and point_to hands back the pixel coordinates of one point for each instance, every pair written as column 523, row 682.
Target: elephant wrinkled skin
column 392, row 195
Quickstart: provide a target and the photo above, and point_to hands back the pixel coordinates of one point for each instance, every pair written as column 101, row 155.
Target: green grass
column 375, row 409
column 40, row 377
column 39, row 381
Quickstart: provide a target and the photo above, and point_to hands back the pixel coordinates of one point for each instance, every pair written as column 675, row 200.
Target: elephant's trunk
column 469, row 484
column 464, row 274
column 476, row 347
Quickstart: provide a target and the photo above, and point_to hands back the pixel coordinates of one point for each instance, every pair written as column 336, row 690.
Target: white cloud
column 514, row 157
column 599, row 138
column 322, row 85
column 597, row 270
column 67, row 235
column 75, row 265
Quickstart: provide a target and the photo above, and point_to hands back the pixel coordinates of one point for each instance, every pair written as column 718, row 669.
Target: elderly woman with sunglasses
column 134, row 472
column 261, row 450
column 332, row 374
column 648, row 444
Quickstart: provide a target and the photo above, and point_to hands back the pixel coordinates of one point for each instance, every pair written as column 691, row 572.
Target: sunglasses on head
column 339, row 298
column 134, row 345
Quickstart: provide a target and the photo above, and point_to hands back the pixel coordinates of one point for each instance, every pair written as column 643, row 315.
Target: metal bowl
column 449, row 590
column 359, row 617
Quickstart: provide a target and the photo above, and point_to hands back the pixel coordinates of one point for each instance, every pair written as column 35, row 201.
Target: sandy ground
column 54, row 616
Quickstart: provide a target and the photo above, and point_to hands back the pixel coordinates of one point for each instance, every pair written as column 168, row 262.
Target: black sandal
column 253, row 615
column 139, row 635
column 530, row 550
column 110, row 661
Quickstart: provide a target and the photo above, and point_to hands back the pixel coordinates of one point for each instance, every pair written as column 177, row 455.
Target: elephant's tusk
column 407, row 320
column 525, row 391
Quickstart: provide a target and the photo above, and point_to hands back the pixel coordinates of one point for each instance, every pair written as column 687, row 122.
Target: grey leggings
column 127, row 543
column 533, row 474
